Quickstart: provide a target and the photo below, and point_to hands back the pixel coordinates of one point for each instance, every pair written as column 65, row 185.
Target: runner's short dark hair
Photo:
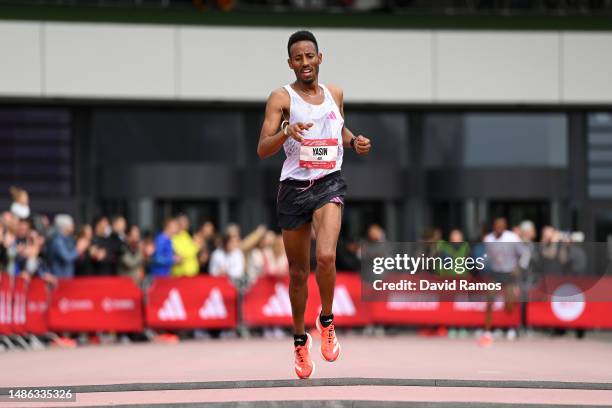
column 301, row 35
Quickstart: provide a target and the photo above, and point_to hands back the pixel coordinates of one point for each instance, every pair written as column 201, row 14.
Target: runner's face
column 305, row 61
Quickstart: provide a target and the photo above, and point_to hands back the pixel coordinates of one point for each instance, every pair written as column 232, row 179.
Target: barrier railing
column 88, row 304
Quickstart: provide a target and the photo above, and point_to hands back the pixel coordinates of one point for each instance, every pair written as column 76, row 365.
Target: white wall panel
column 121, row 61
column 378, row 65
column 20, row 59
column 497, row 67
column 232, row 63
column 587, row 67
column 110, row 60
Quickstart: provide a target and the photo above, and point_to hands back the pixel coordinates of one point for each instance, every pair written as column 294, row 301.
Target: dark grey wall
column 424, row 163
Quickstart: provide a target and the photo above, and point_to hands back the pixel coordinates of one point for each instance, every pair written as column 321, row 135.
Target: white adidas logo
column 343, row 304
column 278, row 304
column 213, row 307
column 173, row 308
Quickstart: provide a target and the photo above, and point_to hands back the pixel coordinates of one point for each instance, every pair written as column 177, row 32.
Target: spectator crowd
column 32, row 245
column 109, row 246
column 516, row 249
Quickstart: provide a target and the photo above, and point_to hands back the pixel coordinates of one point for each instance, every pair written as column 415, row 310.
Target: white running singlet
column 321, row 152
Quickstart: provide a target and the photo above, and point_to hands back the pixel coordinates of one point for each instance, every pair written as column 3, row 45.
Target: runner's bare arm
column 271, row 139
column 362, row 143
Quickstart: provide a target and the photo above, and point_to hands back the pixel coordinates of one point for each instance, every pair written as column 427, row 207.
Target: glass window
column 36, row 150
column 600, row 154
column 496, row 139
column 388, row 132
column 133, row 136
column 443, row 140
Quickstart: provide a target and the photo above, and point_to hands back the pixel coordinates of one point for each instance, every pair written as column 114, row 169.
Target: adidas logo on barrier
column 278, row 304
column 173, row 308
column 343, row 304
column 213, row 307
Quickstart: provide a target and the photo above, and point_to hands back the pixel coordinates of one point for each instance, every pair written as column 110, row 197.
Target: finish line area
column 391, row 371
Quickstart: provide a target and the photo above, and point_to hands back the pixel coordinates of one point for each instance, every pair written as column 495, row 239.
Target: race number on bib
column 319, row 153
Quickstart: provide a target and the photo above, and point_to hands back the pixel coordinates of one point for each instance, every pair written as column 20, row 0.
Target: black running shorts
column 297, row 200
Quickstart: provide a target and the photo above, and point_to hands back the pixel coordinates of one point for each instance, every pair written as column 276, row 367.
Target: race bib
column 318, row 153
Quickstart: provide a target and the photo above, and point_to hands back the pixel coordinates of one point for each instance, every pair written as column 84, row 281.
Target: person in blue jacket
column 164, row 256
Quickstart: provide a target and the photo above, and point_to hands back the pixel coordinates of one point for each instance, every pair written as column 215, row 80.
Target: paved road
column 403, row 368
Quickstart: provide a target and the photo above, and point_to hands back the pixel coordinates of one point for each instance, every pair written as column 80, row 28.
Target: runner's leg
column 326, row 222
column 297, row 248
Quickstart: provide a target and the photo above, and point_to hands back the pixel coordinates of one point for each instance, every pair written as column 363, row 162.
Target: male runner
column 307, row 119
column 504, row 251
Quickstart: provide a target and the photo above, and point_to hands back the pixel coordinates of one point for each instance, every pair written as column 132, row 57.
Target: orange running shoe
column 64, row 342
column 485, row 339
column 304, row 366
column 330, row 348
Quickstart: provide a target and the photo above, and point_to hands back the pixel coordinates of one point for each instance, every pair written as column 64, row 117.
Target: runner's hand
column 362, row 145
column 297, row 130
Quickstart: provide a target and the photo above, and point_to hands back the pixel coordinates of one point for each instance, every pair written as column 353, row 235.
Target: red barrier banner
column 37, row 307
column 267, row 303
column 348, row 309
column 6, row 304
column 20, row 291
column 96, row 304
column 432, row 313
column 571, row 303
column 205, row 302
column 587, row 315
